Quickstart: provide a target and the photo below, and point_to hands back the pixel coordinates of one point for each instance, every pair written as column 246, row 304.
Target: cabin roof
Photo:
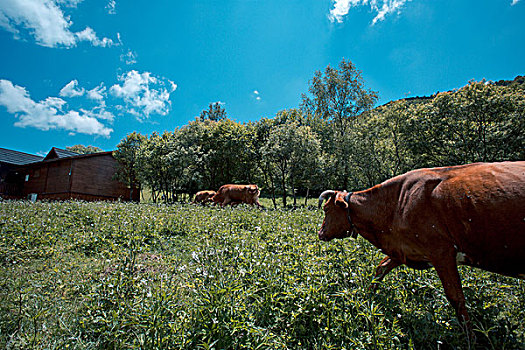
column 55, row 153
column 18, row 158
column 76, row 156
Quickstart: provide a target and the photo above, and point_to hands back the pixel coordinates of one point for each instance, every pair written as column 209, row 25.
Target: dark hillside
column 518, row 81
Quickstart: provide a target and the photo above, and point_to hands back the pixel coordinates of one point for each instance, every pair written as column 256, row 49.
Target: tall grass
column 121, row 276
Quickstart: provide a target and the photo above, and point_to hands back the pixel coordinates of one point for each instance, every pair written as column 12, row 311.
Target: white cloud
column 69, row 3
column 256, row 94
column 45, row 21
column 98, row 93
column 99, row 113
column 143, row 93
column 514, row 2
column 111, row 7
column 54, row 102
column 380, row 7
column 341, row 8
column 89, row 34
column 71, row 90
column 48, row 114
column 129, row 58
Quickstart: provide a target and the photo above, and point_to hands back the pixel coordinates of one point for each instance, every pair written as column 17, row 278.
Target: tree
column 480, row 122
column 305, row 161
column 291, row 154
column 215, row 112
column 126, row 156
column 227, row 152
column 339, row 95
column 81, row 149
column 278, row 152
column 153, row 168
column 182, row 161
column 382, row 151
column 263, row 130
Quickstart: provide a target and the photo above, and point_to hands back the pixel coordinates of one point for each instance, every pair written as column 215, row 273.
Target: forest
column 334, row 139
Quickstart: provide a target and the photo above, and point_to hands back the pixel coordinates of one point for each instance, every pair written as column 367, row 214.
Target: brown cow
column 203, row 197
column 235, row 194
column 469, row 214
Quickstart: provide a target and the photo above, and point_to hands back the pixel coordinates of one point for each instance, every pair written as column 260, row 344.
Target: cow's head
column 336, row 223
column 253, row 190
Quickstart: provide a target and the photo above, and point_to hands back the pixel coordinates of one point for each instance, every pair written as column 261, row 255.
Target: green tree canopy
column 339, row 95
column 127, row 155
column 215, row 112
column 81, row 149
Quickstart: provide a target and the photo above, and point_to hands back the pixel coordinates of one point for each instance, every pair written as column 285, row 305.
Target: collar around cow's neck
column 353, row 232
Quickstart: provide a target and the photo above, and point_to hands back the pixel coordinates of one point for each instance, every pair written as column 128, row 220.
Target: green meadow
column 76, row 275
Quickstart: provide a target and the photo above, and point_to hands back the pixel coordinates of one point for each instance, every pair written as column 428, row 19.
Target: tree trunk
column 306, row 199
column 345, row 179
column 284, row 189
column 293, row 193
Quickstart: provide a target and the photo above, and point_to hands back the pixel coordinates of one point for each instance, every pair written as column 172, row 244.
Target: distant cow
column 203, row 197
column 470, row 214
column 235, row 194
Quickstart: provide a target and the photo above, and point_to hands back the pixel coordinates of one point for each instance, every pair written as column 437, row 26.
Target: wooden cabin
column 63, row 175
column 11, row 176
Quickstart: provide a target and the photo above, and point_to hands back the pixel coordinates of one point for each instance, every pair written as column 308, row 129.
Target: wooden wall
column 88, row 177
column 94, row 176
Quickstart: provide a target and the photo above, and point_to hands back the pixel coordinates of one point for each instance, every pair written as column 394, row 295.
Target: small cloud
column 71, row 90
column 111, row 7
column 381, row 7
column 514, row 2
column 54, row 102
column 47, row 114
column 69, row 3
column 256, row 95
column 341, row 9
column 89, row 34
column 98, row 93
column 129, row 58
column 99, row 113
column 143, row 93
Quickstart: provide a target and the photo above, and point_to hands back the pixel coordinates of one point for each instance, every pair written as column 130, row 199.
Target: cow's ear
column 341, row 202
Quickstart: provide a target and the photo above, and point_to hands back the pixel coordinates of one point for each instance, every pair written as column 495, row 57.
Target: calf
column 203, row 197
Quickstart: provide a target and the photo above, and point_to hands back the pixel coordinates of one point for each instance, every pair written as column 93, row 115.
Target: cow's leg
column 448, row 274
column 385, row 266
column 225, row 202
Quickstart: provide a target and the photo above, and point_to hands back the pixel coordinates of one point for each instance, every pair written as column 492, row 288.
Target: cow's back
column 482, row 209
column 234, row 192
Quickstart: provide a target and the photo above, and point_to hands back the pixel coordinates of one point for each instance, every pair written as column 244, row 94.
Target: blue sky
column 91, row 71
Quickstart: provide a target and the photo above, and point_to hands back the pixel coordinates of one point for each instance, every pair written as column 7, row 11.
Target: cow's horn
column 325, row 195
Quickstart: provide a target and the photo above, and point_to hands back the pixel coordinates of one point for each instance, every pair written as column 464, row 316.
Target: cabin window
column 27, row 177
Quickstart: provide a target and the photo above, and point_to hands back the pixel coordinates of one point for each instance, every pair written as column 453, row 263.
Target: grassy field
column 80, row 275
